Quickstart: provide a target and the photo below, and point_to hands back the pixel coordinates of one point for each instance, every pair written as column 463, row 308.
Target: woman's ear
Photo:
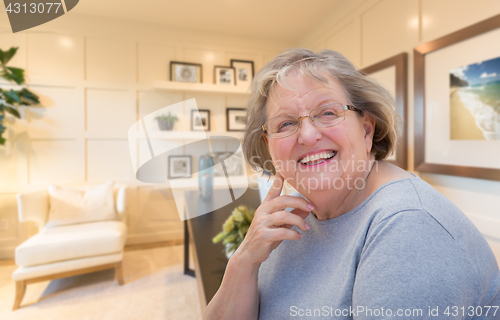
column 369, row 126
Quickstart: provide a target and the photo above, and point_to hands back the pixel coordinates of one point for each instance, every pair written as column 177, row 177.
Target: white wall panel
column 110, row 111
column 108, row 160
column 445, row 16
column 388, row 28
column 347, row 40
column 59, row 116
column 8, row 217
column 55, row 56
column 107, row 60
column 208, row 58
column 154, row 62
column 12, row 163
column 56, row 161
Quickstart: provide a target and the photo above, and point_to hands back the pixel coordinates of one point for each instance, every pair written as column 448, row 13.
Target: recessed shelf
column 199, row 87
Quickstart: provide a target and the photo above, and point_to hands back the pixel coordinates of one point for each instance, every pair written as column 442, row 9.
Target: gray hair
column 362, row 92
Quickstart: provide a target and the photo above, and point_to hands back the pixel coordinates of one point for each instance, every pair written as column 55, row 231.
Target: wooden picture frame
column 179, row 167
column 198, row 124
column 186, row 72
column 244, row 72
column 224, row 76
column 236, row 119
column 400, row 64
column 422, row 54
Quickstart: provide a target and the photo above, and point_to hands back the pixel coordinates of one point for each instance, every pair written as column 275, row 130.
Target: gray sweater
column 406, row 252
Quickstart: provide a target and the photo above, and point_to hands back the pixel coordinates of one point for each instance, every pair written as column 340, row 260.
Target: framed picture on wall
column 224, row 75
column 179, row 167
column 244, row 72
column 200, row 120
column 185, row 72
column 393, row 74
column 457, row 103
column 236, row 119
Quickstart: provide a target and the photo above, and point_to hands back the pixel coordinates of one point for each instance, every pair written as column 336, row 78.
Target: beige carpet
column 155, row 288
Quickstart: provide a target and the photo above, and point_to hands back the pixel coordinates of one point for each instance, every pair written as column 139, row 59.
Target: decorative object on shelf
column 235, row 229
column 179, row 167
column 186, row 72
column 206, row 176
column 236, row 119
column 244, row 71
column 233, row 163
column 200, row 120
column 452, row 61
column 166, row 122
column 393, row 74
column 11, row 99
column 224, row 75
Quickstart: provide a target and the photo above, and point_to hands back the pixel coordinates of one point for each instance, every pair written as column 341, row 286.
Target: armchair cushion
column 69, row 206
column 72, row 242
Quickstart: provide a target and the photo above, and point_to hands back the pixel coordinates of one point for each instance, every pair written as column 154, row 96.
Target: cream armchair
column 68, row 250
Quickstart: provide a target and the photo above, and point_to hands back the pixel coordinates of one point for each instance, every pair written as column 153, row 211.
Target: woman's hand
column 271, row 224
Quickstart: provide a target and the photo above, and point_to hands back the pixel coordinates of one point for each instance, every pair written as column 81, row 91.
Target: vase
column 206, row 176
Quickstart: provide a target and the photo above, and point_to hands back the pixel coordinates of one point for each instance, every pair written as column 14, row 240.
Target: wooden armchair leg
column 20, row 290
column 119, row 273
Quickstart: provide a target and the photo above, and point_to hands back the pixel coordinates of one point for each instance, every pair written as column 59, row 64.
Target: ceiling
column 286, row 20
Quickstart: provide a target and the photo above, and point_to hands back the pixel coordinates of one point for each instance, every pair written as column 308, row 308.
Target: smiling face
column 319, row 158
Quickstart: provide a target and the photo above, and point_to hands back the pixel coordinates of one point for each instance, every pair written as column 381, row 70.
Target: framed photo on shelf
column 457, row 103
column 179, row 167
column 393, row 74
column 185, row 72
column 244, row 72
column 236, row 119
column 233, row 163
column 224, row 75
column 200, row 120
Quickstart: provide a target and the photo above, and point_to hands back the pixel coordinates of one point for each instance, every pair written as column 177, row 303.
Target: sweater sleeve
column 412, row 268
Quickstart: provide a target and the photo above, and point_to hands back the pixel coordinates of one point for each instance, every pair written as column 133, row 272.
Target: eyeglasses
column 328, row 115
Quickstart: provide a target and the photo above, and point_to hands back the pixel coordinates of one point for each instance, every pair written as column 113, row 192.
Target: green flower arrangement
column 166, row 122
column 235, row 229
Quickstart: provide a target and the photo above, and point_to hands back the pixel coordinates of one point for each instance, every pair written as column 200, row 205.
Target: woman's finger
column 283, row 218
column 285, row 201
column 279, row 234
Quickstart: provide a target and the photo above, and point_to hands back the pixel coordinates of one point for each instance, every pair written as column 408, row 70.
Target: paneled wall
column 369, row 31
column 95, row 79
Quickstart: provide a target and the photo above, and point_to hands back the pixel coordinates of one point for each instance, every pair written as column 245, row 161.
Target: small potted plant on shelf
column 166, row 122
column 235, row 229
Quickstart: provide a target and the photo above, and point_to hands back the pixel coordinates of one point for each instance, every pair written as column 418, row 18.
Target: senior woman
column 365, row 239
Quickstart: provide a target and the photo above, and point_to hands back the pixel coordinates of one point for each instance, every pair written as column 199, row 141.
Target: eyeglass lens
column 323, row 116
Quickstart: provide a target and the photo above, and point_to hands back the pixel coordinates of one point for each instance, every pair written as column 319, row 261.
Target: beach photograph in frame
column 392, row 73
column 200, row 120
column 236, row 119
column 179, row 167
column 475, row 101
column 185, row 72
column 435, row 150
column 224, row 75
column 244, row 72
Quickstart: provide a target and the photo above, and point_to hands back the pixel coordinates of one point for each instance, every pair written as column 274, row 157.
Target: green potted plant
column 166, row 122
column 235, row 229
column 11, row 99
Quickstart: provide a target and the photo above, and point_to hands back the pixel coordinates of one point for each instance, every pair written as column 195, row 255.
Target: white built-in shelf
column 193, row 135
column 199, row 87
